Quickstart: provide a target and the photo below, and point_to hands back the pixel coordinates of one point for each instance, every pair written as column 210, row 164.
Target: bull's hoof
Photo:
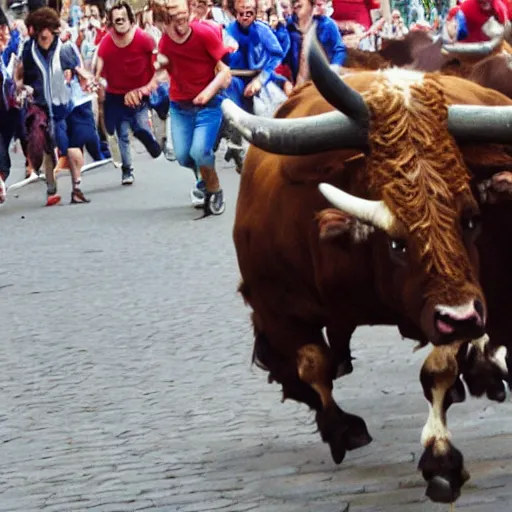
column 343, row 432
column 497, row 391
column 338, row 449
column 484, row 374
column 357, row 432
column 445, row 474
column 439, row 490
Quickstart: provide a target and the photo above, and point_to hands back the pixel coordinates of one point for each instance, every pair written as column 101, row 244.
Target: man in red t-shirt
column 193, row 54
column 477, row 13
column 354, row 10
column 125, row 59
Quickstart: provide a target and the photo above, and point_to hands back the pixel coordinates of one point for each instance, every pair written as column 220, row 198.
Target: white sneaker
column 127, row 178
column 197, row 198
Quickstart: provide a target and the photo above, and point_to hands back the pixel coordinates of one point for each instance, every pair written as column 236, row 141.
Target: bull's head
column 419, row 188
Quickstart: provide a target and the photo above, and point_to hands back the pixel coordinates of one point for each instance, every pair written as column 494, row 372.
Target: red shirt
column 354, row 10
column 192, row 63
column 100, row 34
column 130, row 67
column 476, row 18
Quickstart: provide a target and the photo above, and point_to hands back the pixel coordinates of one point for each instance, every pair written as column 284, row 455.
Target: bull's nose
column 465, row 320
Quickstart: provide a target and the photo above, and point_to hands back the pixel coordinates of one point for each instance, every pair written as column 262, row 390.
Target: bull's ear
column 334, row 224
column 491, row 167
column 486, row 160
column 497, row 189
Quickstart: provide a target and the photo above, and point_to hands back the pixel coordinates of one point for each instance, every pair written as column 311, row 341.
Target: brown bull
column 418, row 50
column 404, row 255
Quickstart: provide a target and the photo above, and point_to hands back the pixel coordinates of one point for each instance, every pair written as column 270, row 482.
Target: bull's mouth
column 449, row 329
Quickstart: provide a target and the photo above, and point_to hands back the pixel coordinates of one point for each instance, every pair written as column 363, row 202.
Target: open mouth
column 464, row 328
column 443, row 326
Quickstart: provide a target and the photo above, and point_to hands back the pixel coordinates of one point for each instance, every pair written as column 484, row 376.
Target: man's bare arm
column 221, row 81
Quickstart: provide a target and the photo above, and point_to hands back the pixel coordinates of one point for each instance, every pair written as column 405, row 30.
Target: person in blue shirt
column 257, row 56
column 282, row 73
column 12, row 47
column 327, row 33
column 455, row 28
column 258, row 52
column 54, row 71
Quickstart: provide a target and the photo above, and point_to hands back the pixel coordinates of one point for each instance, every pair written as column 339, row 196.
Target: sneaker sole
column 220, row 211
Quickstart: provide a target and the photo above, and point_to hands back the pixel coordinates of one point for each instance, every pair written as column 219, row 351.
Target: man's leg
column 235, row 150
column 116, row 120
column 81, row 130
column 168, row 149
column 139, row 123
column 76, row 162
column 123, row 140
column 207, row 126
column 183, row 121
column 5, row 162
column 60, row 130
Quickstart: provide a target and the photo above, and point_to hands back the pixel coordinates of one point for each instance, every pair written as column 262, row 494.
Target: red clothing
column 192, row 63
column 284, row 70
column 100, row 34
column 128, row 68
column 354, row 10
column 476, row 18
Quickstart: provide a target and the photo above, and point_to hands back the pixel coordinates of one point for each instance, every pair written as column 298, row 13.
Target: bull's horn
column 300, row 136
column 481, row 124
column 477, row 49
column 331, row 86
column 375, row 213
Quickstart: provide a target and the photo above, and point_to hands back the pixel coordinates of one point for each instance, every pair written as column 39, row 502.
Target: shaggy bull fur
column 409, row 159
column 304, row 266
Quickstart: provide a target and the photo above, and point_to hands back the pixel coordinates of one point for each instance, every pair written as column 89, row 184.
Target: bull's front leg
column 485, row 368
column 441, row 464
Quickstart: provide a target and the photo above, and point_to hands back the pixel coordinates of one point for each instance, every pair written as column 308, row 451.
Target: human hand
column 201, row 99
column 132, row 98
column 253, row 87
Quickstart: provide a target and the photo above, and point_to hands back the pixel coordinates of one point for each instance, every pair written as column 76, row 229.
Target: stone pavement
column 125, row 378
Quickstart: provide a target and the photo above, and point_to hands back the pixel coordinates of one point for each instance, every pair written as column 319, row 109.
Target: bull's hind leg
column 441, row 464
column 282, row 370
column 341, row 430
column 306, row 372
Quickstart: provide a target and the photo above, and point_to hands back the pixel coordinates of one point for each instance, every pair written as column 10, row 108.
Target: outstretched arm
column 221, row 81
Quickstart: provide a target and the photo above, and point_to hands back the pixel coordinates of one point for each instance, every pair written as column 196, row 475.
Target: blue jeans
column 120, row 118
column 194, row 131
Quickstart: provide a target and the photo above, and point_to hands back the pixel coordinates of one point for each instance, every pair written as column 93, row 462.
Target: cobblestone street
column 126, row 384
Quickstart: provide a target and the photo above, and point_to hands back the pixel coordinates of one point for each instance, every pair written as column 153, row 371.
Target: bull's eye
column 398, row 246
column 470, row 223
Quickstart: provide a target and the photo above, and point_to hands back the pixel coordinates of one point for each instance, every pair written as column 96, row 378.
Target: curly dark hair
column 120, row 5
column 100, row 4
column 43, row 18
